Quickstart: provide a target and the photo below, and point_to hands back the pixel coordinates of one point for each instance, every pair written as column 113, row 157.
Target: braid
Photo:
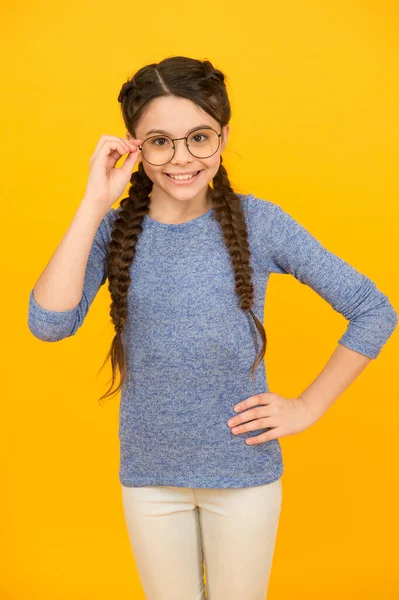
column 229, row 213
column 126, row 229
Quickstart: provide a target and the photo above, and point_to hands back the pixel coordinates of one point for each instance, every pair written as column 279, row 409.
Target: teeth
column 182, row 177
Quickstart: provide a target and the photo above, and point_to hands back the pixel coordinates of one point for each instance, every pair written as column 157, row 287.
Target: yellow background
column 314, row 93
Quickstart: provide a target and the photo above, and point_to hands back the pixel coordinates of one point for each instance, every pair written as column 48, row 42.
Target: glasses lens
column 158, row 150
column 202, row 143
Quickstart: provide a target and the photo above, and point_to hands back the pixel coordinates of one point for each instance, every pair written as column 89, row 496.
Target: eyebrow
column 169, row 134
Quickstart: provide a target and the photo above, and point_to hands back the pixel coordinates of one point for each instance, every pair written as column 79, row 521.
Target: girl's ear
column 225, row 136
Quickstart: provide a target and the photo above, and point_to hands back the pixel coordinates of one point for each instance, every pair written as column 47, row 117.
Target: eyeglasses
column 201, row 143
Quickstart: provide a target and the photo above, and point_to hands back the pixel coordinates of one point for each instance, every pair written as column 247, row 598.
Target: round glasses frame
column 187, row 146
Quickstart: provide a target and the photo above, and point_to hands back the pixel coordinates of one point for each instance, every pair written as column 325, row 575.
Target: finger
column 263, row 437
column 104, row 139
column 130, row 162
column 249, row 415
column 253, row 425
column 135, row 143
column 130, row 146
column 262, row 398
column 134, row 147
column 115, row 149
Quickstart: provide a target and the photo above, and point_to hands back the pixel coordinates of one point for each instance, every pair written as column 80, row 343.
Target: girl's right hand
column 106, row 183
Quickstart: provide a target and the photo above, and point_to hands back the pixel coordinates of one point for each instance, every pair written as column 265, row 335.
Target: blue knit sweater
column 189, row 346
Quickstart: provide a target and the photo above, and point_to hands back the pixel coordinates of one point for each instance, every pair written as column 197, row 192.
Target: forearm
column 343, row 367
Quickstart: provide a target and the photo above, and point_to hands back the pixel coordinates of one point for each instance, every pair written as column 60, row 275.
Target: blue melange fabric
column 189, row 346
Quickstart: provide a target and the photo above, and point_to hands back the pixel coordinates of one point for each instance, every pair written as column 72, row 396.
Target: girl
column 187, row 261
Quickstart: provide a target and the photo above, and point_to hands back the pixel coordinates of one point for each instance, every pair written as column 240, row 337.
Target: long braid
column 228, row 212
column 122, row 248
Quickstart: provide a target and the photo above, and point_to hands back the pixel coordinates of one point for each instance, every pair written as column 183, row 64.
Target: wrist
column 314, row 407
column 94, row 206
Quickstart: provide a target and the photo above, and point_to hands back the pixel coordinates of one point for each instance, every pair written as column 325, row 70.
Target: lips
column 195, row 173
column 186, row 182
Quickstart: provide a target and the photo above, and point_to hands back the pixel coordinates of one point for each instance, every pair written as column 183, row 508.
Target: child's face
column 179, row 116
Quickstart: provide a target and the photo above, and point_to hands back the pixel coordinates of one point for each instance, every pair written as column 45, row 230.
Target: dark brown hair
column 204, row 85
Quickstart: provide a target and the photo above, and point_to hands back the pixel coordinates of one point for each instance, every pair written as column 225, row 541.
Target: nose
column 182, row 153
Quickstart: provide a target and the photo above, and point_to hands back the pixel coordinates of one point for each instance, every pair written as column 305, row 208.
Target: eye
column 157, row 139
column 198, row 135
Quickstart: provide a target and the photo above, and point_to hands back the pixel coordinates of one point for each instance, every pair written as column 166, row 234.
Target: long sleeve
column 51, row 326
column 286, row 247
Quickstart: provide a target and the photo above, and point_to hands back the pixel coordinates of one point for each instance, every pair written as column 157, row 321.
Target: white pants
column 176, row 533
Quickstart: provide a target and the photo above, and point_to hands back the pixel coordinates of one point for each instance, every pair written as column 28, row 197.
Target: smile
column 184, row 180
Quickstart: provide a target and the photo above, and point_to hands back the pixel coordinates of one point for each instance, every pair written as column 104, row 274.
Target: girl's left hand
column 285, row 416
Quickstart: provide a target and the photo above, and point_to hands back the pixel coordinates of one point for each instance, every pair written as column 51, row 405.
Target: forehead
column 175, row 115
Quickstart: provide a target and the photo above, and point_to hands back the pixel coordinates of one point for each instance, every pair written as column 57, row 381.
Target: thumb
column 129, row 163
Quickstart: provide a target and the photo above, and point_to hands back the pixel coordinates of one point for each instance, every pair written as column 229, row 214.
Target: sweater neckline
column 179, row 226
